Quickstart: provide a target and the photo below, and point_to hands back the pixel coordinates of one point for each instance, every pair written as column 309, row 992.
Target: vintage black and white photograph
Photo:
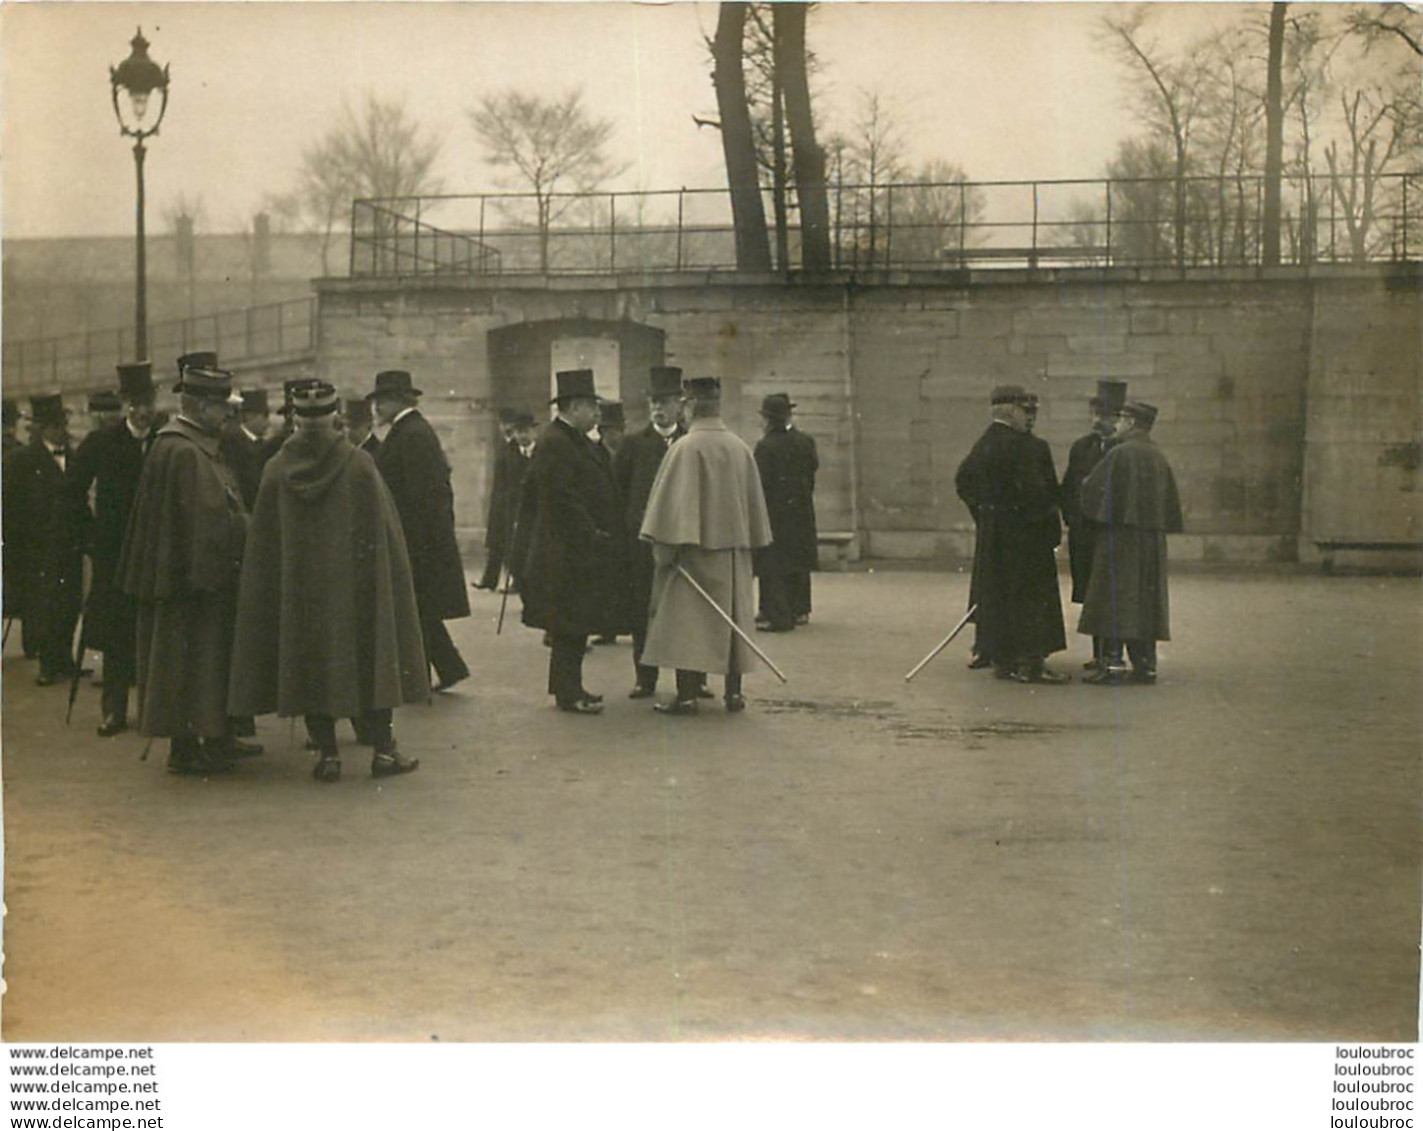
column 616, row 523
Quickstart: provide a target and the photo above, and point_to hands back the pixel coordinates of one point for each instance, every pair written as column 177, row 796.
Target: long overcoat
column 110, row 461
column 707, row 505
column 418, row 474
column 635, row 470
column 510, row 467
column 787, row 461
column 181, row 560
column 327, row 622
column 570, row 544
column 44, row 560
column 1009, row 484
column 1132, row 495
column 1086, row 452
column 246, row 457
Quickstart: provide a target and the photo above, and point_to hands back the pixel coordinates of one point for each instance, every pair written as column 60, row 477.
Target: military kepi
column 1012, row 394
column 1141, row 411
column 199, row 376
column 573, row 384
column 318, row 398
column 664, row 381
column 704, row 386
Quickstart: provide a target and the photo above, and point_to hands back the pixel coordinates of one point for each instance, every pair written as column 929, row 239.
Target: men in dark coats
column 9, row 423
column 9, row 550
column 44, row 540
column 327, row 621
column 244, row 446
column 358, row 426
column 1132, row 495
column 635, row 469
column 1086, row 452
column 510, row 465
column 110, row 461
column 180, row 562
column 418, row 475
column 571, row 542
column 787, row 461
column 612, row 426
column 105, row 409
column 1009, row 485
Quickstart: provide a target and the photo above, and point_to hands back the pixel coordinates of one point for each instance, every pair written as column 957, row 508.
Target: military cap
column 1012, row 394
column 1141, row 411
column 255, row 400
column 315, row 398
column 199, row 376
column 703, row 386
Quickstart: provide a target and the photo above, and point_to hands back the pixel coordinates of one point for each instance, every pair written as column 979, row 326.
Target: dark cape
column 1132, row 496
column 1086, row 452
column 635, row 470
column 414, row 467
column 787, row 461
column 327, row 622
column 1009, row 484
column 571, row 547
column 181, row 560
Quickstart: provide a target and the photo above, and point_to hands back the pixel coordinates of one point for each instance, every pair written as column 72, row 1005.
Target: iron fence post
column 1033, row 258
column 612, row 231
column 1405, row 216
column 681, row 196
column 963, row 220
column 888, row 227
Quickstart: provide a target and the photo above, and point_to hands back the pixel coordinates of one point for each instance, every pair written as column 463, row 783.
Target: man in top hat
column 9, row 424
column 181, row 559
column 9, row 552
column 244, row 447
column 635, row 469
column 1086, row 452
column 43, row 539
column 418, row 475
column 570, row 542
column 359, row 421
column 1132, row 497
column 105, row 409
column 706, row 515
column 787, row 460
column 511, row 465
column 327, row 621
column 1009, row 485
column 612, row 426
column 110, row 461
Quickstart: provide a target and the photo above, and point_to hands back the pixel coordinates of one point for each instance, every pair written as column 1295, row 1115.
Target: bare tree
column 548, row 146
column 789, row 21
column 1392, row 21
column 182, row 218
column 871, row 156
column 935, row 211
column 1274, row 134
column 748, row 214
column 1375, row 137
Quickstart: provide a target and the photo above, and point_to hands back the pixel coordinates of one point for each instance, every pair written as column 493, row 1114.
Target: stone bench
column 839, row 541
column 1330, row 547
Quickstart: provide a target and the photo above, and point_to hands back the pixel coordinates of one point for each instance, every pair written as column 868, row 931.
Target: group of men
column 1119, row 500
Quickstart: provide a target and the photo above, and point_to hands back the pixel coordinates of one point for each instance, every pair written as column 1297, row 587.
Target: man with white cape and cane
column 704, row 517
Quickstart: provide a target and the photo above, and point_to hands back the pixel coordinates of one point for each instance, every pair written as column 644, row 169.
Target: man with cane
column 705, row 516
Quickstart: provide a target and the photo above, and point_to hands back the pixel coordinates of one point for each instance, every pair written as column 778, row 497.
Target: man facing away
column 415, row 469
column 706, row 515
column 787, row 460
column 181, row 560
column 327, row 621
column 1132, row 497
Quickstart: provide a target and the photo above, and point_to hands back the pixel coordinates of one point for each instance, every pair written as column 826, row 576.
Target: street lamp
column 138, row 77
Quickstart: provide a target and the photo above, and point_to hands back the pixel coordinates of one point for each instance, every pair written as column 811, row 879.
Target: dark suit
column 246, row 457
column 414, row 467
column 111, row 461
column 635, row 469
column 43, row 536
column 787, row 461
column 509, row 470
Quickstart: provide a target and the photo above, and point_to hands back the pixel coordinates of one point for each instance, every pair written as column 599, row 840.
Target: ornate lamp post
column 138, row 77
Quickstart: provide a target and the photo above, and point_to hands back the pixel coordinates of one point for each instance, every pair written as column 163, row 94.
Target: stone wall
column 891, row 377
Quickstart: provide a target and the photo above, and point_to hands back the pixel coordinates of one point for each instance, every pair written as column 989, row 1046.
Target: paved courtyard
column 1233, row 854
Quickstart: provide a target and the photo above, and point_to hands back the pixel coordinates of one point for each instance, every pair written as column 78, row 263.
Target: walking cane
column 736, row 628
column 78, row 670
column 944, row 643
column 5, row 636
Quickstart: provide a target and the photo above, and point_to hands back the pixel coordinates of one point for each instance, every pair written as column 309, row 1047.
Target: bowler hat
column 523, row 420
column 199, row 376
column 105, row 401
column 255, row 400
column 394, row 383
column 1011, row 394
column 48, row 409
column 704, row 386
column 664, row 381
column 574, row 384
column 777, row 406
column 1141, row 411
column 506, row 415
column 612, row 413
column 11, row 412
column 136, row 380
column 316, row 398
column 1111, row 395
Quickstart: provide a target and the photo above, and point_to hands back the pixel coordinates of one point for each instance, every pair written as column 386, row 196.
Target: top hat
column 664, row 381
column 1111, row 395
column 393, row 383
column 703, row 386
column 1012, row 394
column 507, row 415
column 48, row 409
column 255, row 400
column 777, row 406
column 1141, row 411
column 105, row 401
column 357, row 410
column 136, row 380
column 315, row 398
column 199, row 376
column 523, row 420
column 612, row 413
column 574, row 384
column 11, row 412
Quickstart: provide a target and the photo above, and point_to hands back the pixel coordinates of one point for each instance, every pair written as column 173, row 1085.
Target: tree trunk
column 807, row 156
column 1274, row 136
column 748, row 213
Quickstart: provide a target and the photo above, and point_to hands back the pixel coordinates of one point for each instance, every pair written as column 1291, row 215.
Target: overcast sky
column 1007, row 91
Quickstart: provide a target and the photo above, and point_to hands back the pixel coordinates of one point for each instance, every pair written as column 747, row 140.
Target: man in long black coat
column 787, row 461
column 635, row 468
column 110, row 461
column 43, row 533
column 572, row 543
column 1009, row 485
column 510, row 466
column 244, row 443
column 1086, row 452
column 415, row 469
